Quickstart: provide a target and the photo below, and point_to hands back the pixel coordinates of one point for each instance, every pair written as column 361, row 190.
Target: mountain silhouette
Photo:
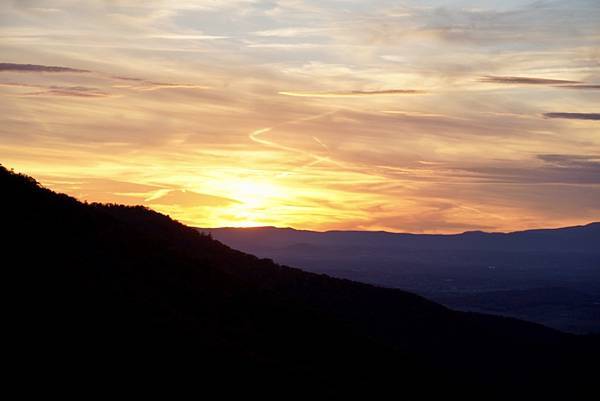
column 549, row 276
column 103, row 293
column 568, row 239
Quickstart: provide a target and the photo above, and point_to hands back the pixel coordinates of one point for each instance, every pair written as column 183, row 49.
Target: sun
column 255, row 200
column 254, row 193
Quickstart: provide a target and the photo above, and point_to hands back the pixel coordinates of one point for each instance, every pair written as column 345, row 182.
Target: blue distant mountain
column 569, row 239
column 502, row 273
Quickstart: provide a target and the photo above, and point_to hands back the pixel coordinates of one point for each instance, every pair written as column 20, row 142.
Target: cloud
column 150, row 86
column 558, row 83
column 20, row 85
column 188, row 37
column 69, row 93
column 73, row 91
column 291, row 32
column 108, row 190
column 37, row 68
column 355, row 93
column 56, row 90
column 562, row 160
column 141, row 84
column 132, row 79
column 574, row 116
column 133, row 83
column 572, row 168
column 285, row 46
column 554, row 169
column 524, row 80
column 580, row 87
column 420, row 115
column 389, row 154
column 190, row 199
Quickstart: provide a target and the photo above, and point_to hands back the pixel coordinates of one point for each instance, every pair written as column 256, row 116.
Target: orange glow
column 383, row 124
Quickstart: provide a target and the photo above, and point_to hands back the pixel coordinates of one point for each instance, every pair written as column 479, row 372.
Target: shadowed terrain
column 101, row 291
column 547, row 276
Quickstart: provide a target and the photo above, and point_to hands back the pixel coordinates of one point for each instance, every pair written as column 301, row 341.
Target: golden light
column 229, row 128
column 255, row 196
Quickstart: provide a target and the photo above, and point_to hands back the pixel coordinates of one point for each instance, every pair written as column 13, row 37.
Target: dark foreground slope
column 101, row 293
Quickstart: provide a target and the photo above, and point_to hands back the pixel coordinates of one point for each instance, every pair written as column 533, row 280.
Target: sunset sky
column 420, row 116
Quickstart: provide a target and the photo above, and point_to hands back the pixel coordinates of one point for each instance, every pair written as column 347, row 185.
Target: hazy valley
column 547, row 276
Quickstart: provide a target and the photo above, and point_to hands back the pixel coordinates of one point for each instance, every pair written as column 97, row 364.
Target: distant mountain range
column 477, row 271
column 569, row 239
column 105, row 295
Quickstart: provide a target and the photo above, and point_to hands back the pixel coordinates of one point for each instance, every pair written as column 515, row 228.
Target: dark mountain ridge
column 473, row 271
column 568, row 239
column 107, row 288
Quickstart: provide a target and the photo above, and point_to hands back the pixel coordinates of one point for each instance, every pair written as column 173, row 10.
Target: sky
column 407, row 116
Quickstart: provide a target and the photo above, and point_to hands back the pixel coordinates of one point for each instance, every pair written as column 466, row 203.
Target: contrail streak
column 472, row 209
column 255, row 136
column 317, row 140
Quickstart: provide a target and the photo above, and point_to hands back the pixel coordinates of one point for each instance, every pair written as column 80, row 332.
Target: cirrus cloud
column 354, row 93
column 524, row 80
column 14, row 67
column 574, row 116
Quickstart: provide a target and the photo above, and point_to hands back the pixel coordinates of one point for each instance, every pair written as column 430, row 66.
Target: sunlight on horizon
column 397, row 116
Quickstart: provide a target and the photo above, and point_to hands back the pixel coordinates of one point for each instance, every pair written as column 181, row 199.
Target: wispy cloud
column 56, row 90
column 285, row 46
column 151, row 86
column 187, row 37
column 581, row 87
column 354, row 93
column 37, row 68
column 81, row 92
column 524, row 80
column 130, row 79
column 558, row 169
column 420, row 115
column 20, row 85
column 569, row 160
column 574, row 116
column 416, row 128
column 291, row 32
column 190, row 199
column 141, row 84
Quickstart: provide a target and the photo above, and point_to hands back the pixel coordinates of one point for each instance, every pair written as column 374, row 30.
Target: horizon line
column 397, row 232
